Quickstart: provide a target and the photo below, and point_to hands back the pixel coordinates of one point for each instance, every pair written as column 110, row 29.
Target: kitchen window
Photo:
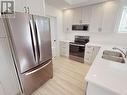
column 123, row 22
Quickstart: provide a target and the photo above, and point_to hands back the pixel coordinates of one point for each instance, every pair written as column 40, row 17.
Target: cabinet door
column 94, row 89
column 96, row 18
column 19, row 5
column 95, row 52
column 67, row 19
column 110, row 16
column 64, row 49
column 86, row 14
column 2, row 29
column 8, row 77
column 36, row 7
column 77, row 16
column 88, row 53
column 91, row 53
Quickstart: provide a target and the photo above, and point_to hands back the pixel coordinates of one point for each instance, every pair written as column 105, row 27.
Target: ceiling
column 65, row 4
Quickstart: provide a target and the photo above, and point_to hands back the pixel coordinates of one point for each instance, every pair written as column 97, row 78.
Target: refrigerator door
column 42, row 28
column 36, row 77
column 23, row 40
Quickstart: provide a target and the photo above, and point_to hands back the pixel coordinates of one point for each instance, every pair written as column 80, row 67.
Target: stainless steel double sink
column 113, row 56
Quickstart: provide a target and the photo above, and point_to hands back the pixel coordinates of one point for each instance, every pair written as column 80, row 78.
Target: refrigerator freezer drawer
column 35, row 78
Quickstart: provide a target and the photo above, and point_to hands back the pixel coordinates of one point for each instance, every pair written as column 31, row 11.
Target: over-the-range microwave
column 83, row 27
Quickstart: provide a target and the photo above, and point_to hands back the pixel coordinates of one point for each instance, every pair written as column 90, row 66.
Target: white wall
column 104, row 38
column 54, row 12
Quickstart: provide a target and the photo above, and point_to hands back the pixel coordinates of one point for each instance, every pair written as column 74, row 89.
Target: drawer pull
column 34, row 71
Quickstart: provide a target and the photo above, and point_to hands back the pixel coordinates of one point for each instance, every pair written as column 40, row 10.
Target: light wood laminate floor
column 68, row 78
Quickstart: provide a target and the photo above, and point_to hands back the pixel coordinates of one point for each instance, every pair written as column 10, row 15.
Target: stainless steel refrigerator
column 31, row 46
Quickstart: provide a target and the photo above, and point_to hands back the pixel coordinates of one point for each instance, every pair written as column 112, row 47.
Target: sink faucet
column 125, row 54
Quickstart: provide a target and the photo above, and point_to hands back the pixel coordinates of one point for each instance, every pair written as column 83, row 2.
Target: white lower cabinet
column 90, row 53
column 36, row 7
column 64, row 49
column 93, row 89
column 8, row 78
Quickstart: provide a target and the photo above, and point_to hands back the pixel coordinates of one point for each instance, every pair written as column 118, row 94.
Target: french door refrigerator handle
column 39, row 40
column 34, row 44
column 34, row 71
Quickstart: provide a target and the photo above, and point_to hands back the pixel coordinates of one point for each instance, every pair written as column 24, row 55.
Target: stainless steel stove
column 77, row 48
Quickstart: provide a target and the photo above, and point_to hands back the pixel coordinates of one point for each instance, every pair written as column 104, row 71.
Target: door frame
column 55, row 33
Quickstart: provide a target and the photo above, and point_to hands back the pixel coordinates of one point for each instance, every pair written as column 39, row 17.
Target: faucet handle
column 125, row 51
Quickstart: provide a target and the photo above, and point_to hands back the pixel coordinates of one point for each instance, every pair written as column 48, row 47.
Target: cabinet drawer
column 88, row 52
column 89, row 47
column 88, row 55
column 87, row 59
column 62, row 52
column 64, row 44
column 64, row 49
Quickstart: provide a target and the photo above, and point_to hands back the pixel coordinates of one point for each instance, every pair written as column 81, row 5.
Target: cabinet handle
column 28, row 10
column 25, row 9
column 88, row 52
column 34, row 71
column 80, row 21
column 67, row 29
column 93, row 49
column 99, row 29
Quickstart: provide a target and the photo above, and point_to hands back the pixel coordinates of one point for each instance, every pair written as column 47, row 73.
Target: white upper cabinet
column 77, row 16
column 2, row 29
column 86, row 14
column 96, row 18
column 68, row 20
column 110, row 15
column 101, row 17
column 20, row 5
column 36, row 7
column 104, row 16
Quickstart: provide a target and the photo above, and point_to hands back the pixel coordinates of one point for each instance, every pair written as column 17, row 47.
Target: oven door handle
column 77, row 45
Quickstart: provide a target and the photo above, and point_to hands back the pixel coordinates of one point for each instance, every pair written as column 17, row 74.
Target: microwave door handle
column 34, row 44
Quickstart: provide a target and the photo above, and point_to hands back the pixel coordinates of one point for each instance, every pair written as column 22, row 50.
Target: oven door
column 77, row 50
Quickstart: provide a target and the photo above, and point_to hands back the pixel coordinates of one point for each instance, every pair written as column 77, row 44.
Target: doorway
column 53, row 25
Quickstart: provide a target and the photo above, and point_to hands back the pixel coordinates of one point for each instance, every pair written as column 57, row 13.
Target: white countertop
column 66, row 41
column 108, row 74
